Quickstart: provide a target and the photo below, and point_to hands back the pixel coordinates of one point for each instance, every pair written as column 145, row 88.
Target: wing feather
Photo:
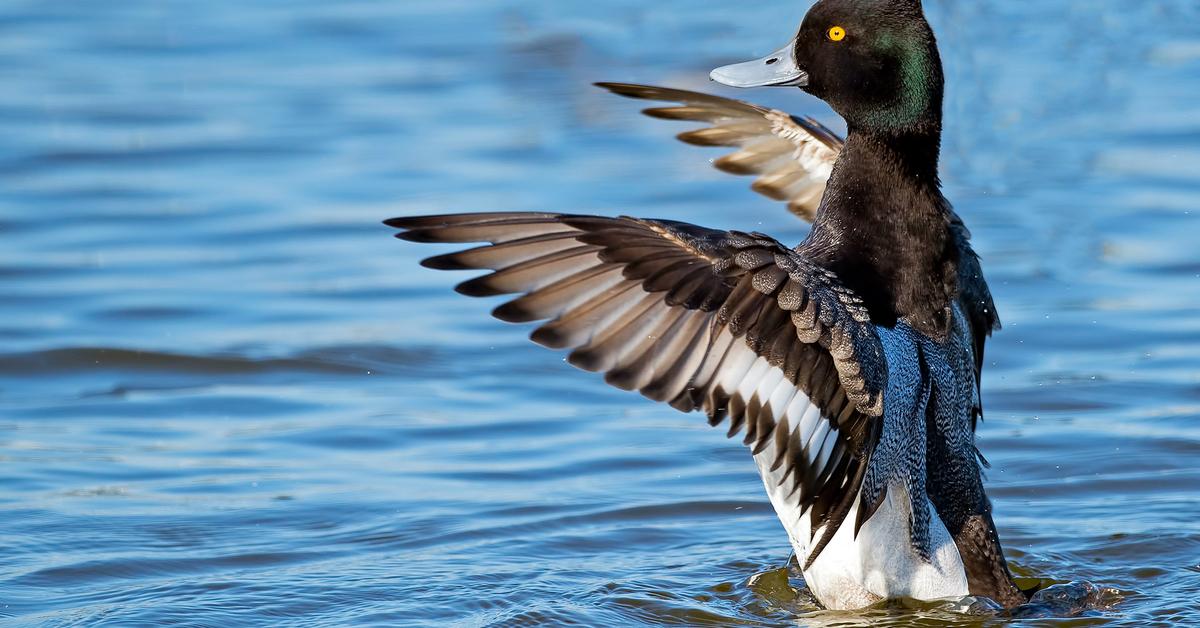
column 731, row 323
column 792, row 157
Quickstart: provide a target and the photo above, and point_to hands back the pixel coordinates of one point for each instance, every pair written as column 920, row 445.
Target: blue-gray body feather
column 930, row 398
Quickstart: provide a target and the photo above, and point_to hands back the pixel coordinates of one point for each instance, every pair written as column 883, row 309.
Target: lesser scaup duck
column 851, row 361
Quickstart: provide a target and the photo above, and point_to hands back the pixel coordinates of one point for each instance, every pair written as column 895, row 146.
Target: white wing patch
column 766, row 390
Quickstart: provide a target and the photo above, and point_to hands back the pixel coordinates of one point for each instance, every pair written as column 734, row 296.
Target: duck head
column 875, row 62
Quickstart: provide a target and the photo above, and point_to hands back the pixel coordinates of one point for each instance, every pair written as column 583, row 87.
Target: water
column 228, row 396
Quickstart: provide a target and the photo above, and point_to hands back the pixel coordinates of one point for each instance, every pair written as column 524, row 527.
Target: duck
column 849, row 363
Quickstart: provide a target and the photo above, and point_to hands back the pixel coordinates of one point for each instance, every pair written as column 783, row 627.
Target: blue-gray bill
column 778, row 69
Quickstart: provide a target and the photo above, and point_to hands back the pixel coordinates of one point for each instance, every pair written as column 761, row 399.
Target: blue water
column 227, row 396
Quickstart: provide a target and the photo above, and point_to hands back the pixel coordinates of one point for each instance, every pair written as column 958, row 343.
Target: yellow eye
column 837, row 33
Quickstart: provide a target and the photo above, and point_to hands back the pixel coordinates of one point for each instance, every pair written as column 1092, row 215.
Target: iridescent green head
column 874, row 61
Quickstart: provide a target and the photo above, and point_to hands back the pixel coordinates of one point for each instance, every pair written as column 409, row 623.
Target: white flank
column 880, row 564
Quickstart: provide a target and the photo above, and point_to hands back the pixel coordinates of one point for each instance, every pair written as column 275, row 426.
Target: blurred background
column 228, row 396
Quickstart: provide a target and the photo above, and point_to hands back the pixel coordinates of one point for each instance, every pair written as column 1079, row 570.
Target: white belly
column 880, row 564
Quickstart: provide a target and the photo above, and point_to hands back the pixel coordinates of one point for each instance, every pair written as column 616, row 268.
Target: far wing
column 730, row 323
column 791, row 157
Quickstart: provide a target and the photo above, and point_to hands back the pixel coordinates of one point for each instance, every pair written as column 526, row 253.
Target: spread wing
column 734, row 324
column 791, row 157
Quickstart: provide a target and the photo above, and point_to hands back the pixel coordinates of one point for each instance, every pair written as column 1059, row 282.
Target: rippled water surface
column 228, row 396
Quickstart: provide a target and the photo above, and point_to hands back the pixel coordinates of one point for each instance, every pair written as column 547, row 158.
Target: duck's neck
column 883, row 227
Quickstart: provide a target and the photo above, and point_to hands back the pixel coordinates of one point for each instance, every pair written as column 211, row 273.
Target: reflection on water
column 227, row 395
